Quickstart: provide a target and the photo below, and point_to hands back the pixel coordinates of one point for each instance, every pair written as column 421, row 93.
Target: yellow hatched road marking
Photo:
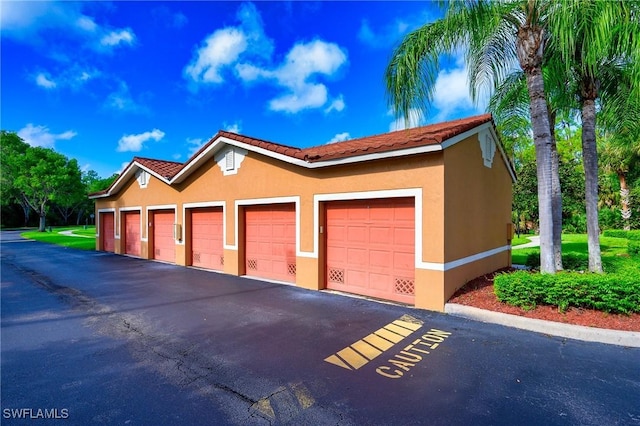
column 364, row 350
column 389, row 335
column 352, row 357
column 397, row 329
column 378, row 342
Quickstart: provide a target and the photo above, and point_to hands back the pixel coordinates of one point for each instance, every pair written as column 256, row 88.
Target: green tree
column 594, row 39
column 43, row 177
column 70, row 194
column 12, row 148
column 495, row 37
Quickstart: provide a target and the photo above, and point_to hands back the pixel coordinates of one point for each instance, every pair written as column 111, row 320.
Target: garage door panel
column 107, row 233
column 379, row 235
column 132, row 233
column 379, row 245
column 164, row 247
column 357, row 257
column 357, row 234
column 270, row 241
column 206, row 238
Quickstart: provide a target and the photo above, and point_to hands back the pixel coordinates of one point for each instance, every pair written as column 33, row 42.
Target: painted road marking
column 412, row 354
column 375, row 344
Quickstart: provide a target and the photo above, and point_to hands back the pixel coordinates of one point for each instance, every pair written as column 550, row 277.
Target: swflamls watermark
column 35, row 413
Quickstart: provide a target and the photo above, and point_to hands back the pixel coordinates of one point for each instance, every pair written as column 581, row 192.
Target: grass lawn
column 614, row 251
column 88, row 242
column 522, row 240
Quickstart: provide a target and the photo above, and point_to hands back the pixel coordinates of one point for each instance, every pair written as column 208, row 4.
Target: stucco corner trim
column 442, row 267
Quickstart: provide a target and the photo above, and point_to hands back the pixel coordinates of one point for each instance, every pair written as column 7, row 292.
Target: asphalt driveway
column 102, row 338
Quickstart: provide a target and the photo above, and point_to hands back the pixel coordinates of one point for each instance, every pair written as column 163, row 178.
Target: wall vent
column 404, row 286
column 336, row 276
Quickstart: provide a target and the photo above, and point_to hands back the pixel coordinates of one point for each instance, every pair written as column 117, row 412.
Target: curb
column 570, row 331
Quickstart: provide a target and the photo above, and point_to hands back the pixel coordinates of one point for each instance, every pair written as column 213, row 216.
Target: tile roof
column 402, row 139
column 399, row 140
column 166, row 169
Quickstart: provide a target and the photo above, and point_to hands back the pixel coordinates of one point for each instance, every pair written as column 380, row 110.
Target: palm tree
column 589, row 37
column 496, row 37
column 509, row 106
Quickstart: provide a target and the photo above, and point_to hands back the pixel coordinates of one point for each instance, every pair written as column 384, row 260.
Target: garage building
column 407, row 216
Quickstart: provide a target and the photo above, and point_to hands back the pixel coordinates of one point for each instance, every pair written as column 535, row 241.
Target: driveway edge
column 570, row 331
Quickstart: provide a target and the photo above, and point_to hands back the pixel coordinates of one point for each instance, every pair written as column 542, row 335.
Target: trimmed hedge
column 616, row 293
column 569, row 261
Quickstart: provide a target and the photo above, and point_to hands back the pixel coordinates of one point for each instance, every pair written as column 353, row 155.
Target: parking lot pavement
column 112, row 338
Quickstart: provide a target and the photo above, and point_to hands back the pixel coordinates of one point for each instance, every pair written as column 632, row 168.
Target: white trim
column 432, row 266
column 129, row 209
column 204, row 204
column 262, row 201
column 108, row 210
column 173, row 207
column 416, row 193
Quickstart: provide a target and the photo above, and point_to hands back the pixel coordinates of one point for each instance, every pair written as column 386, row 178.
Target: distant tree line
column 39, row 186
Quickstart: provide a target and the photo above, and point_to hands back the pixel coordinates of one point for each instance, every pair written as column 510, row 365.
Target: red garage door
column 164, row 245
column 132, row 233
column 206, row 238
column 107, row 228
column 370, row 248
column 271, row 241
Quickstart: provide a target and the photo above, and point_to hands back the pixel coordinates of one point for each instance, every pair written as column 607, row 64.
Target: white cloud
column 121, row 100
column 298, row 73
column 392, row 32
column 28, row 21
column 416, row 118
column 135, row 143
column 116, row 37
column 45, row 81
column 337, row 105
column 340, row 137
column 122, row 167
column 194, row 144
column 221, row 48
column 451, row 95
column 41, row 136
column 224, row 47
column 247, row 50
column 233, row 127
column 86, row 23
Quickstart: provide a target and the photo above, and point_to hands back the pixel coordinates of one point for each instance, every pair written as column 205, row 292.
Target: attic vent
column 229, row 160
column 143, row 178
column 488, row 147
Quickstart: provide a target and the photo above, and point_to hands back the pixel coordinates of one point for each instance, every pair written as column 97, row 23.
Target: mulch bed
column 479, row 293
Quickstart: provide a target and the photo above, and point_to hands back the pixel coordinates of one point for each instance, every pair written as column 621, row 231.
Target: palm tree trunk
column 624, row 201
column 529, row 49
column 542, row 142
column 556, row 195
column 590, row 161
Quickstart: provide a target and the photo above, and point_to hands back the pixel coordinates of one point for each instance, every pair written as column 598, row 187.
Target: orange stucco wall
column 461, row 216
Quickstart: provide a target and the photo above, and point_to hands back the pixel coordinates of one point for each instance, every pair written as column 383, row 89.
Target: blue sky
column 103, row 82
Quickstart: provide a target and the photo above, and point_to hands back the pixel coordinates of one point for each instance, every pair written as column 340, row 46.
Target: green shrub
column 633, row 235
column 572, row 262
column 569, row 261
column 633, row 247
column 533, row 260
column 617, row 293
column 615, row 233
